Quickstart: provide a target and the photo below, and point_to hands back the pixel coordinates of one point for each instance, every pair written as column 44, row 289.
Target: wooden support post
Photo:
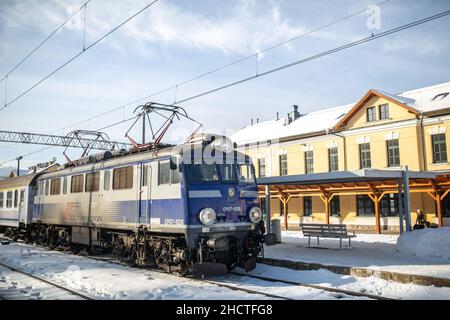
column 437, row 198
column 377, row 214
column 283, row 200
column 375, row 197
column 439, row 210
column 326, row 200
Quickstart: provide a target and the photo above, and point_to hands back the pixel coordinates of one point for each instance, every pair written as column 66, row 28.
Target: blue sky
column 174, row 40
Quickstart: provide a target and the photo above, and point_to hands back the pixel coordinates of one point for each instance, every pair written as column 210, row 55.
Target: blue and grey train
column 161, row 206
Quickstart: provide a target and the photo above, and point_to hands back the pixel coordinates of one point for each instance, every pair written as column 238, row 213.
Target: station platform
column 370, row 255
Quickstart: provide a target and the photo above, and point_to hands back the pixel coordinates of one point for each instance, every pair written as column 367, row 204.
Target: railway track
column 217, row 283
column 313, row 286
column 13, row 294
column 231, row 286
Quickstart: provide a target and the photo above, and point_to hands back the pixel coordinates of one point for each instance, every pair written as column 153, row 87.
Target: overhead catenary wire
column 217, row 69
column 316, row 56
column 49, row 147
column 45, row 40
column 78, row 54
column 321, row 54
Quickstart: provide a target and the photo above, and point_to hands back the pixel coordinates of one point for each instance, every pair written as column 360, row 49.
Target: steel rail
column 73, row 292
column 313, row 286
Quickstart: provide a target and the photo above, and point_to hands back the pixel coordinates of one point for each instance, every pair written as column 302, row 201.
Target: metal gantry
column 61, row 141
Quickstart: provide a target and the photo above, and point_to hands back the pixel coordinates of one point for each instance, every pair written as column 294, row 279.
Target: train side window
column 2, row 199
column 16, row 198
column 106, row 180
column 55, row 186
column 76, row 183
column 92, row 182
column 47, row 185
column 22, row 195
column 174, row 176
column 164, row 172
column 65, row 185
column 144, row 176
column 9, row 199
column 123, row 178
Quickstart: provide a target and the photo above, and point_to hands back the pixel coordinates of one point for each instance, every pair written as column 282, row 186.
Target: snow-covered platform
column 369, row 255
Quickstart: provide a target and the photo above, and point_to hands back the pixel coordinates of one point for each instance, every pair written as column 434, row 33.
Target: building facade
column 381, row 131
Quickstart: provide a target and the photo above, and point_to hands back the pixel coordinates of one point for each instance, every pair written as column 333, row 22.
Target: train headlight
column 255, row 214
column 207, row 216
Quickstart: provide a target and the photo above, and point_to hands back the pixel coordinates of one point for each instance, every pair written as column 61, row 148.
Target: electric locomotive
column 191, row 208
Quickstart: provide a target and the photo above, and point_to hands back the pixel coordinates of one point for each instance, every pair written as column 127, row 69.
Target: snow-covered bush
column 425, row 243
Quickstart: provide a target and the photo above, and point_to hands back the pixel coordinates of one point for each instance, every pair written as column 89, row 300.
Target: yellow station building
column 381, row 131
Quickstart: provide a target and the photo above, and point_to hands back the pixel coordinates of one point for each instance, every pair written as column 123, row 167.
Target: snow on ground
column 426, row 243
column 105, row 280
column 370, row 285
column 14, row 285
column 368, row 251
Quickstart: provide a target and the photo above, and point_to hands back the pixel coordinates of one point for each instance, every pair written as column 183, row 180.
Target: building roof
column 311, row 122
column 423, row 100
column 343, row 177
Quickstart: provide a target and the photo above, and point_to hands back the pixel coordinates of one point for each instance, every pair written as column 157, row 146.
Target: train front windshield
column 227, row 173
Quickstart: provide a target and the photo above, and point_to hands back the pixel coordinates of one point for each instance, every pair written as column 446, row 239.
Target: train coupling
column 210, row 269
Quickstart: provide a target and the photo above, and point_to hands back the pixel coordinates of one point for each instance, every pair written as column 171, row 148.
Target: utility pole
column 18, row 165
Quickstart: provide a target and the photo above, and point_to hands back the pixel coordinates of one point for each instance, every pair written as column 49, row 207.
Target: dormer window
column 440, row 96
column 384, row 111
column 371, row 114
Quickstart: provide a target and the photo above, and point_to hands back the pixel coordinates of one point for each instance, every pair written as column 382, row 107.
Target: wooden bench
column 337, row 231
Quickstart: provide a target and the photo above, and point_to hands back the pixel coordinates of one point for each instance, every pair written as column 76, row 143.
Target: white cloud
column 244, row 28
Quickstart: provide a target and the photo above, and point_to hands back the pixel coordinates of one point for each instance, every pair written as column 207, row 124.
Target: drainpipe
column 424, row 158
column 345, row 148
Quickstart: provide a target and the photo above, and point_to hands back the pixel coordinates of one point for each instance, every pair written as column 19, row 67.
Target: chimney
column 295, row 113
column 257, row 120
column 251, row 122
column 288, row 119
column 278, row 116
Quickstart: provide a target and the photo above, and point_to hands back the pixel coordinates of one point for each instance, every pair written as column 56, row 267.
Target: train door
column 22, row 206
column 144, row 193
column 38, row 201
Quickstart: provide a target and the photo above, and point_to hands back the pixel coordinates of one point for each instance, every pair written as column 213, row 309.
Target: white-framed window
column 283, row 165
column 384, row 111
column 261, row 167
column 106, row 180
column 371, row 114
column 168, row 176
column 9, row 199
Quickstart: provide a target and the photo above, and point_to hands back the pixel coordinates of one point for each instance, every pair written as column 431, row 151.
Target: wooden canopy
column 371, row 182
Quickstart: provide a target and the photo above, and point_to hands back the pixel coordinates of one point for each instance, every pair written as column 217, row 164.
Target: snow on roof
column 429, row 98
column 274, row 129
column 408, row 101
column 426, row 99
